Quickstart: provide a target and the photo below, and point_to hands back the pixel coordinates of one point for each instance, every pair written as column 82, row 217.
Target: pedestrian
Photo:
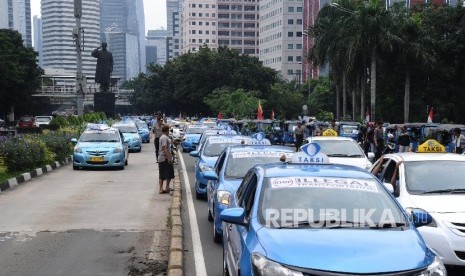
column 157, row 133
column 379, row 140
column 404, row 140
column 458, row 141
column 165, row 161
column 299, row 134
column 369, row 140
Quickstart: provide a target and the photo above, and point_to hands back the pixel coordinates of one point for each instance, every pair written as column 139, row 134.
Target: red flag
column 259, row 111
column 272, row 114
column 220, row 116
column 430, row 115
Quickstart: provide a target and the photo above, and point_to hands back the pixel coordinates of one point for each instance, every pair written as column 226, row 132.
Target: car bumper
column 200, row 183
column 449, row 246
column 109, row 160
column 134, row 146
column 145, row 138
column 188, row 146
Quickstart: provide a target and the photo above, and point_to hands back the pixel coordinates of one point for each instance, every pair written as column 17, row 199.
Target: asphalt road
column 87, row 222
column 212, row 252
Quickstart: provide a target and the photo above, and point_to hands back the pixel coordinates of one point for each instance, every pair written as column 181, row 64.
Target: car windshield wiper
column 386, row 225
column 343, row 155
column 445, row 191
column 322, row 224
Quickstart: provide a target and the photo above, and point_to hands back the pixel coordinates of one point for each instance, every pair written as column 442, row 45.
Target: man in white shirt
column 165, row 161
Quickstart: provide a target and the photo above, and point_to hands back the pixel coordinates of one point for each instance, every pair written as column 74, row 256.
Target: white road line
column 200, row 268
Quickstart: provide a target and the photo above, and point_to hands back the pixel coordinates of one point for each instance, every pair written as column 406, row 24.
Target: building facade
column 173, row 15
column 199, row 25
column 281, row 32
column 38, row 38
column 16, row 15
column 123, row 46
column 58, row 46
column 157, row 47
column 238, row 25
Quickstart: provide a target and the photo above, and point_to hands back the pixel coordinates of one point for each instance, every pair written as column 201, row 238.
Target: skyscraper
column 16, row 15
column 198, row 25
column 38, row 38
column 123, row 46
column 173, row 15
column 157, row 45
column 58, row 46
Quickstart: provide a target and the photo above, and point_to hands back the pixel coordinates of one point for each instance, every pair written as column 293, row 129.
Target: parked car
column 41, row 121
column 130, row 132
column 305, row 218
column 26, row 121
column 144, row 131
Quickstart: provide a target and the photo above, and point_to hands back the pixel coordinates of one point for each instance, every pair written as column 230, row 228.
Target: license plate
column 96, row 159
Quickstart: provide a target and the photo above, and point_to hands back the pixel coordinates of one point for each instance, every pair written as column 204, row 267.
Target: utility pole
column 79, row 43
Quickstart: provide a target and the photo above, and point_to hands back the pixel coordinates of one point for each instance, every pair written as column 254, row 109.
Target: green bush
column 58, row 143
column 23, row 153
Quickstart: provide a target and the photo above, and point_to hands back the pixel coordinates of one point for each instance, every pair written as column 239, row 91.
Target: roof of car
column 328, row 170
column 411, row 156
column 338, row 138
column 244, row 148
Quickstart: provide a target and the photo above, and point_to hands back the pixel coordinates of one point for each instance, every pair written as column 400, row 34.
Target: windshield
column 216, row 146
column 210, row 124
column 25, row 119
column 348, row 129
column 99, row 137
column 426, row 176
column 240, row 162
column 340, row 148
column 324, row 201
column 127, row 129
column 195, row 130
column 142, row 125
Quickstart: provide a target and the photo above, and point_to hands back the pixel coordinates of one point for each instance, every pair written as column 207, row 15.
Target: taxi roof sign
column 310, row 154
column 258, row 139
column 91, row 126
column 431, row 146
column 329, row 132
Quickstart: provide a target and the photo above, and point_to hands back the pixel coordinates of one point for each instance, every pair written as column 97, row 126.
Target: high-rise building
column 125, row 16
column 58, row 21
column 280, row 37
column 16, row 15
column 199, row 25
column 173, row 15
column 122, row 46
column 157, row 47
column 238, row 25
column 38, row 38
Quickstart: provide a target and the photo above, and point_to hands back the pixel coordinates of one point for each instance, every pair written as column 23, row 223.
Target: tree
column 19, row 72
column 238, row 103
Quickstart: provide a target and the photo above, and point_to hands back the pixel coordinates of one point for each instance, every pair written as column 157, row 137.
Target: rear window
column 26, row 119
column 127, row 129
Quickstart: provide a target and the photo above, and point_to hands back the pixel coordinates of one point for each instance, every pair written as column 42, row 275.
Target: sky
column 155, row 13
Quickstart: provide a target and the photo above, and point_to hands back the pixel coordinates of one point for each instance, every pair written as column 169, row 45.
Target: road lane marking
column 200, row 268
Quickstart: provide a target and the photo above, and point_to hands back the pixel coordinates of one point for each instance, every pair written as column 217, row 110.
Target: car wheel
column 210, row 217
column 217, row 238
column 126, row 162
column 121, row 168
column 225, row 264
column 75, row 167
column 197, row 195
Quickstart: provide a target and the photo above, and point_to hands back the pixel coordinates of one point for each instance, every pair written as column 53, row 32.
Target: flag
column 272, row 114
column 367, row 116
column 220, row 116
column 259, row 111
column 430, row 115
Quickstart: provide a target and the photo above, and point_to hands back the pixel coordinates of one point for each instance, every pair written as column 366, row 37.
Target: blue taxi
column 144, row 131
column 130, row 132
column 232, row 165
column 192, row 136
column 100, row 146
column 219, row 130
column 310, row 217
column 207, row 156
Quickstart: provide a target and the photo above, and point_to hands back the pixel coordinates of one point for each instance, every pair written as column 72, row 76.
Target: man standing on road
column 165, row 161
column 157, row 132
column 299, row 136
column 379, row 140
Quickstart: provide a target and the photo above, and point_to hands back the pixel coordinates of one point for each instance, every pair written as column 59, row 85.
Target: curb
column 175, row 259
column 25, row 177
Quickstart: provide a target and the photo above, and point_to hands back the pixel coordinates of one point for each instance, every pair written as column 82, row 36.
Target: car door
column 238, row 233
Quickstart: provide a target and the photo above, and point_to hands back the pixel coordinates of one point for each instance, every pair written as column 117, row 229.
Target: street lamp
column 341, row 8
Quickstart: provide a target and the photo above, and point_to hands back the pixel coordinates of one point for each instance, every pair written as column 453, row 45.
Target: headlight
column 409, row 213
column 223, row 197
column 117, row 150
column 204, row 168
column 77, row 150
column 437, row 268
column 262, row 266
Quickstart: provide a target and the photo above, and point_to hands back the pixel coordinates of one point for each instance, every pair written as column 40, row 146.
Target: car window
column 340, row 148
column 127, row 129
column 99, row 137
column 219, row 163
column 242, row 188
column 250, row 194
column 388, row 171
column 241, row 161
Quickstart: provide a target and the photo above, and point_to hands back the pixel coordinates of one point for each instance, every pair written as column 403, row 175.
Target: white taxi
column 342, row 150
column 431, row 180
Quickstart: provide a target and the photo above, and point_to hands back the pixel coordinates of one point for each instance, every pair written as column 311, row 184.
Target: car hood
column 346, row 250
column 130, row 135
column 230, row 185
column 363, row 163
column 209, row 161
column 98, row 146
column 439, row 203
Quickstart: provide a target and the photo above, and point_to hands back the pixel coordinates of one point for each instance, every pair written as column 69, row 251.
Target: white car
column 343, row 150
column 433, row 182
column 42, row 120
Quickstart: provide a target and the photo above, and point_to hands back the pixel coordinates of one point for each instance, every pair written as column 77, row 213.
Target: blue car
column 192, row 136
column 144, row 131
column 130, row 133
column 207, row 156
column 309, row 217
column 100, row 146
column 232, row 165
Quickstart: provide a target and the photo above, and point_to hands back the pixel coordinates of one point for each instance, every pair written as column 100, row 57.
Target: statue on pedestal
column 104, row 67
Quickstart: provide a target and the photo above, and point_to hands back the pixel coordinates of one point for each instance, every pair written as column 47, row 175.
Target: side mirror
column 210, row 175
column 194, row 153
column 74, row 141
column 420, row 217
column 234, row 216
column 389, row 187
column 371, row 155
